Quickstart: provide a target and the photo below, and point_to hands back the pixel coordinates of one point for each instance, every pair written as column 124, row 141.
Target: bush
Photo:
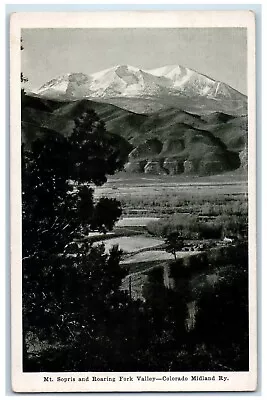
column 183, row 224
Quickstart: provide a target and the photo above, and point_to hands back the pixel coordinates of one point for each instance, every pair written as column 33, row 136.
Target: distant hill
column 168, row 141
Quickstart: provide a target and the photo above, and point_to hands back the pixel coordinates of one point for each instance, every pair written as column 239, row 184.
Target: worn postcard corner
column 133, row 202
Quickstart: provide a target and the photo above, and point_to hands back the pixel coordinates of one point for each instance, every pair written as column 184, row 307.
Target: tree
column 94, row 152
column 173, row 243
column 54, row 211
column 222, row 321
column 70, row 289
column 23, row 79
column 106, row 212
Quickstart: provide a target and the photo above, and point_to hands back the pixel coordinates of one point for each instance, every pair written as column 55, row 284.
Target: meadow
column 201, row 207
column 156, row 196
column 203, row 210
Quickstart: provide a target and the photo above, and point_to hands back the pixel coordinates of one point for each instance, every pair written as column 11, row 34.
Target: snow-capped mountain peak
column 117, row 68
column 169, row 71
column 129, row 81
column 69, row 84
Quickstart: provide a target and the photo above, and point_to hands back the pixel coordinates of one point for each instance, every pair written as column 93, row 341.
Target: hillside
column 169, row 141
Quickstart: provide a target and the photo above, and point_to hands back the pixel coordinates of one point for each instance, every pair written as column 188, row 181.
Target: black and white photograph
column 135, row 266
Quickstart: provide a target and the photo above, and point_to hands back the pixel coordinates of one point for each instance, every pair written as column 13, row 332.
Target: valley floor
column 147, row 199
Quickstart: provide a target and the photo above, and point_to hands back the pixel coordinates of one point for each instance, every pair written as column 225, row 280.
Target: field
column 155, row 255
column 155, row 196
column 131, row 244
column 198, row 207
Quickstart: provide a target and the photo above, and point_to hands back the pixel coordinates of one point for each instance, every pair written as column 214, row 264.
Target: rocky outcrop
column 189, row 167
column 135, row 167
column 173, row 167
column 207, row 167
column 155, row 168
column 173, row 146
column 149, row 148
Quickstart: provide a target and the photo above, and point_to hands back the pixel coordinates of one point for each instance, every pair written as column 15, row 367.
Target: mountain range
column 133, row 88
column 170, row 120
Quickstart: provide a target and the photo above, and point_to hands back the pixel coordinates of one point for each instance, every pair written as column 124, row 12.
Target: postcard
column 133, row 201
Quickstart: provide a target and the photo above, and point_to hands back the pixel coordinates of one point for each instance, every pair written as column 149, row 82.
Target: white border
column 33, row 382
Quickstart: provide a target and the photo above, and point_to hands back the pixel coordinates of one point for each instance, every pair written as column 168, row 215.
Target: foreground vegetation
column 75, row 315
column 201, row 324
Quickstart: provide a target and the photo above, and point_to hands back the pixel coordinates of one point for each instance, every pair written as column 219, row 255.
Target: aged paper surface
column 155, row 110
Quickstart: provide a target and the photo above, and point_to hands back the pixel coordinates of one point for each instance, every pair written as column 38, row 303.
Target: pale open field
column 155, row 196
column 156, row 255
column 135, row 221
column 131, row 244
column 160, row 186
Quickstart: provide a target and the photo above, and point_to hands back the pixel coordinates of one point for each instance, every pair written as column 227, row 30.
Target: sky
column 220, row 53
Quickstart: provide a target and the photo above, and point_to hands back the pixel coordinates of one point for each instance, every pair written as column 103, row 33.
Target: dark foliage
column 70, row 289
column 200, row 324
column 106, row 212
column 173, row 243
column 100, row 155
